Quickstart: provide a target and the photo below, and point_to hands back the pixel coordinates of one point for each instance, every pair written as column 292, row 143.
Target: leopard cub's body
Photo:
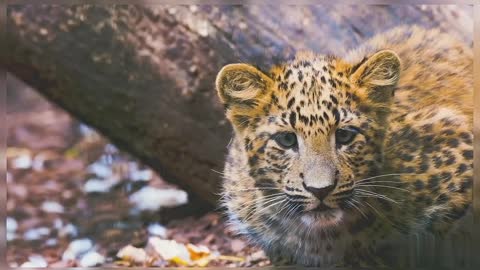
column 332, row 158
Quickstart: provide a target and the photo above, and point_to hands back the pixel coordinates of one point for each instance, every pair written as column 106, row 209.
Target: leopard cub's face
column 305, row 134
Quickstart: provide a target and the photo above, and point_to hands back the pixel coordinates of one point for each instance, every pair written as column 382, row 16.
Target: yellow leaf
column 123, row 263
column 231, row 258
column 72, row 153
column 197, row 252
column 203, row 261
column 179, row 261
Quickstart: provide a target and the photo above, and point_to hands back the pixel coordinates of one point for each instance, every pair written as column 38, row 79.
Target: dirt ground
column 70, row 200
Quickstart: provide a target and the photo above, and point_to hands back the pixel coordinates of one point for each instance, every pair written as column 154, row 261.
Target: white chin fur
column 323, row 220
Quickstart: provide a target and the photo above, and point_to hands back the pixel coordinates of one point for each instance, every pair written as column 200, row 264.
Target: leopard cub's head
column 304, row 134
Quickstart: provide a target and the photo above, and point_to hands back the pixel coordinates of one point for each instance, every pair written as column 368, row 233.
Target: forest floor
column 74, row 199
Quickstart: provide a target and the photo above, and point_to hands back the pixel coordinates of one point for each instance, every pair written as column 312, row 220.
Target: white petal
column 22, row 162
column 68, row 230
column 158, row 230
column 101, row 170
column 98, row 185
column 92, row 258
column 150, row 198
column 36, row 233
column 52, row 207
column 80, row 245
column 35, row 261
column 12, row 224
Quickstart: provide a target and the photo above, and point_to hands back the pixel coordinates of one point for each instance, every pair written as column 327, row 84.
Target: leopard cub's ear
column 378, row 75
column 239, row 84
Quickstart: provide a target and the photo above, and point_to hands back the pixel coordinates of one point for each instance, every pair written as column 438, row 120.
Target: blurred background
column 73, row 195
column 116, row 139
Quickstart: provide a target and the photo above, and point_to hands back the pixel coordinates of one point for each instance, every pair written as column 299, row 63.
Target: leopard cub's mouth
column 322, row 208
column 322, row 216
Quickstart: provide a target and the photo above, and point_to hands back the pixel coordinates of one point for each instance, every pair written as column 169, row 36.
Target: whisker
column 268, row 197
column 241, row 208
column 374, row 209
column 397, row 188
column 221, row 173
column 274, row 201
column 290, row 214
column 292, row 211
column 374, row 194
column 260, row 188
column 385, row 175
column 285, row 207
column 297, row 201
column 257, row 214
column 353, row 204
column 222, row 194
column 382, row 181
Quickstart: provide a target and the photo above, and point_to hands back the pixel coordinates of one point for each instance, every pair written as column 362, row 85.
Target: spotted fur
column 408, row 92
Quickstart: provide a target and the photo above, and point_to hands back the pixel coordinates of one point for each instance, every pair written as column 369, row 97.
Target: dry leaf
column 124, row 263
column 133, row 254
column 13, row 152
column 203, row 261
column 170, row 250
column 231, row 258
column 198, row 252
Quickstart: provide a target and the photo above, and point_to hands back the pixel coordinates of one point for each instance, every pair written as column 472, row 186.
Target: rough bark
column 144, row 75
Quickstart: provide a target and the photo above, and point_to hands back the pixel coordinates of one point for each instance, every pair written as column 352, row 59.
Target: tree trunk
column 144, row 75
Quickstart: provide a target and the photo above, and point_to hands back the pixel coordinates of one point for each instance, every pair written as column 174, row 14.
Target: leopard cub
column 335, row 157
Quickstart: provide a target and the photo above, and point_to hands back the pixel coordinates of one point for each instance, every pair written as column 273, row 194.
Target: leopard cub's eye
column 345, row 135
column 286, row 139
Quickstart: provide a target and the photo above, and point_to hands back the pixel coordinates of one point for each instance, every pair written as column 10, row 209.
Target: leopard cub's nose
column 319, row 193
